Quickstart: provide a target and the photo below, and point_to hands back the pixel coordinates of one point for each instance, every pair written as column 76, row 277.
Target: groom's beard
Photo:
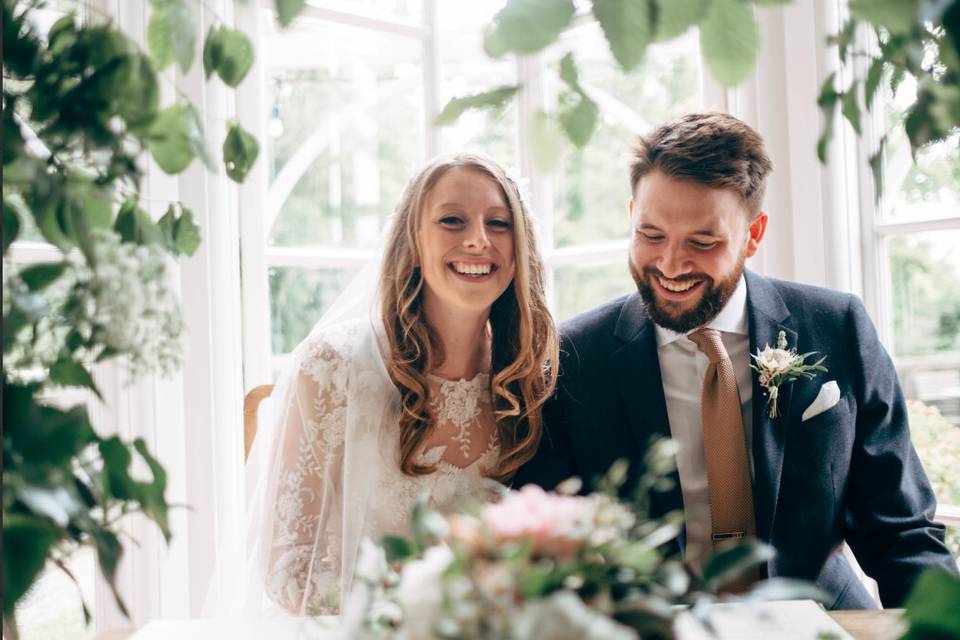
column 712, row 300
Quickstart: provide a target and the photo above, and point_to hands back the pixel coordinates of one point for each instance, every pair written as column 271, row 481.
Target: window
column 350, row 98
column 913, row 264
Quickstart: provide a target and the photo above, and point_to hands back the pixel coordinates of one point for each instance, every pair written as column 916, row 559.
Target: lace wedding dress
column 333, row 464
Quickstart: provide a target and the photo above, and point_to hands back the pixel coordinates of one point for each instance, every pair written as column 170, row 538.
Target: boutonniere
column 778, row 366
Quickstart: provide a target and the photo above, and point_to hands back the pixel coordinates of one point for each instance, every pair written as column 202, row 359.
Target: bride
column 437, row 389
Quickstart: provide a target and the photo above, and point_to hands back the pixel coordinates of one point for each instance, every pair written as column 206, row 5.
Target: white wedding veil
column 311, row 468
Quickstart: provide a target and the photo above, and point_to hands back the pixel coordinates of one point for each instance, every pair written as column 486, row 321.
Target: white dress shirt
column 682, row 368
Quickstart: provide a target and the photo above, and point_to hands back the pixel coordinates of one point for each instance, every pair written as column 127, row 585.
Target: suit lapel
column 767, row 316
column 637, row 371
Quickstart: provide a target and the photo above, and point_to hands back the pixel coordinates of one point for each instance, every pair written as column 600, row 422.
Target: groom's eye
column 651, row 237
column 703, row 245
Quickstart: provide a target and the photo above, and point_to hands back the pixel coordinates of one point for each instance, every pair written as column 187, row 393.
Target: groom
column 833, row 462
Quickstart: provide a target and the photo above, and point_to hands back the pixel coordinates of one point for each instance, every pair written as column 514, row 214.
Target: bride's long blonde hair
column 524, row 340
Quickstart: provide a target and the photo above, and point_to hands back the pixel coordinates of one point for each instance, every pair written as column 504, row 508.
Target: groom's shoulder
column 812, row 299
column 595, row 323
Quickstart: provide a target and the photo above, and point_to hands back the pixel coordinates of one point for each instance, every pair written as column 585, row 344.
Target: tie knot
column 710, row 344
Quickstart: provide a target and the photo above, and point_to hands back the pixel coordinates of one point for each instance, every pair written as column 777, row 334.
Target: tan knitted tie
column 724, row 444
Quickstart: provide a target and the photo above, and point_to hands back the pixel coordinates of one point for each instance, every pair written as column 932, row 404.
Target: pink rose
column 554, row 523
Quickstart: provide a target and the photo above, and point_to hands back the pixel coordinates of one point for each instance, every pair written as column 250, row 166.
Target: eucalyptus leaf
column 578, row 115
column 527, row 26
column 675, row 17
column 729, row 41
column 876, row 169
column 109, row 553
column 229, row 54
column 171, row 35
column 152, row 498
column 133, row 224
column 287, row 10
column 39, row 276
column 827, row 102
column 897, row 16
column 546, row 144
column 240, row 151
column 493, row 99
column 176, row 138
column 186, row 233
column 569, row 73
column 627, row 27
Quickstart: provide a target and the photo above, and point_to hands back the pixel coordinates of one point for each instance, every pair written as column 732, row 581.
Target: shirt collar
column 731, row 319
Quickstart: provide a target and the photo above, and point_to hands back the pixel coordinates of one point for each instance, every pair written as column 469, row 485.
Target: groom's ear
column 755, row 233
column 630, row 207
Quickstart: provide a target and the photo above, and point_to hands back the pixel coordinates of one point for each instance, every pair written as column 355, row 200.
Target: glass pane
column 466, row 69
column 345, row 131
column 929, row 188
column 298, row 298
column 51, row 610
column 403, row 10
column 592, row 187
column 925, row 285
column 584, row 286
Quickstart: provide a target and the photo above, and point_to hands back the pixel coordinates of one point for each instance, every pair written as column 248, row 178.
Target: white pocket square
column 829, row 396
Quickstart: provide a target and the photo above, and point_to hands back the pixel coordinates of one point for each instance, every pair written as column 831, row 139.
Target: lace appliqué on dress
column 458, row 402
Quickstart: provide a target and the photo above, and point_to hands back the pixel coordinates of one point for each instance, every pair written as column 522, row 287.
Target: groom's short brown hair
column 714, row 149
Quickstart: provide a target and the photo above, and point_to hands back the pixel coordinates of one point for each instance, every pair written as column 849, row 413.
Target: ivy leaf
column 38, row 276
column 133, row 224
column 186, row 234
column 26, row 544
column 70, row 373
column 627, row 27
column 240, row 151
column 578, row 116
column 493, row 99
column 872, row 82
column 828, row 105
column 527, row 26
column 674, row 17
column 729, row 41
column 546, row 145
column 109, row 552
column 287, row 10
column 844, row 38
column 569, row 73
column 896, row 16
column 176, row 138
column 11, row 225
column 229, row 54
column 152, row 498
column 172, row 36
column 850, row 107
column 876, row 168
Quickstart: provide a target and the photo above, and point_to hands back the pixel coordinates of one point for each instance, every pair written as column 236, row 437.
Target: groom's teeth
column 472, row 269
column 677, row 287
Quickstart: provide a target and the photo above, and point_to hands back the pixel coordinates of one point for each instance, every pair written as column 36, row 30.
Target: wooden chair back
column 251, row 404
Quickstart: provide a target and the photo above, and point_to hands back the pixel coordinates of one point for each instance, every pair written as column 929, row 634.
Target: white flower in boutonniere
column 779, row 366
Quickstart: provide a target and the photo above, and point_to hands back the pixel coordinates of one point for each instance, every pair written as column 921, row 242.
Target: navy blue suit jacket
column 849, row 473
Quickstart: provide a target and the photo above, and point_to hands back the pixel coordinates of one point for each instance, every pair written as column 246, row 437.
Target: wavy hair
column 524, row 340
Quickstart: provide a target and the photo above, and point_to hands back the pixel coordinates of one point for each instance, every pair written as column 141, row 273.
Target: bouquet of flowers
column 544, row 565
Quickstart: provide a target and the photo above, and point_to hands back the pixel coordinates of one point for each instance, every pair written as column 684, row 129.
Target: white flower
column 564, row 616
column 775, row 361
column 421, row 591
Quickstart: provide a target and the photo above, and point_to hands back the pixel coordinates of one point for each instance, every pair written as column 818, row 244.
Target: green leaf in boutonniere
column 778, row 366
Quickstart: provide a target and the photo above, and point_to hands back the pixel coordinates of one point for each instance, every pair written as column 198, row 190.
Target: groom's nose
column 673, row 261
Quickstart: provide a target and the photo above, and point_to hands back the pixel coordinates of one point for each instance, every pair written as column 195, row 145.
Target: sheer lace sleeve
column 304, row 555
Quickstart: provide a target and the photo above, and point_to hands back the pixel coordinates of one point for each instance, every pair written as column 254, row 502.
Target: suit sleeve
column 890, row 504
column 554, row 461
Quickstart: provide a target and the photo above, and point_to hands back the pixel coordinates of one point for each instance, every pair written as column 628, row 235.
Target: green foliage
column 287, row 10
column 240, row 151
column 627, row 27
column 493, row 99
column 675, row 17
column 229, row 54
column 729, row 40
column 577, row 113
column 931, row 608
column 527, row 26
column 937, row 441
column 81, row 109
column 171, row 35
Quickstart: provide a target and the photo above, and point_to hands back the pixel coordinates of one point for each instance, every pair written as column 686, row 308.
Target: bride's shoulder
column 325, row 354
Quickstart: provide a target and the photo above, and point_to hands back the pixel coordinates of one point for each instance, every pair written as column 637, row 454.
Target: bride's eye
column 451, row 221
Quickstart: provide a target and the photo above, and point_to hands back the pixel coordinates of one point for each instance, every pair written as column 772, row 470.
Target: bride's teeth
column 472, row 269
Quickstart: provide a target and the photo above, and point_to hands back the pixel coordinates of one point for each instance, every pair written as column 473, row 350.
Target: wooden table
column 883, row 624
